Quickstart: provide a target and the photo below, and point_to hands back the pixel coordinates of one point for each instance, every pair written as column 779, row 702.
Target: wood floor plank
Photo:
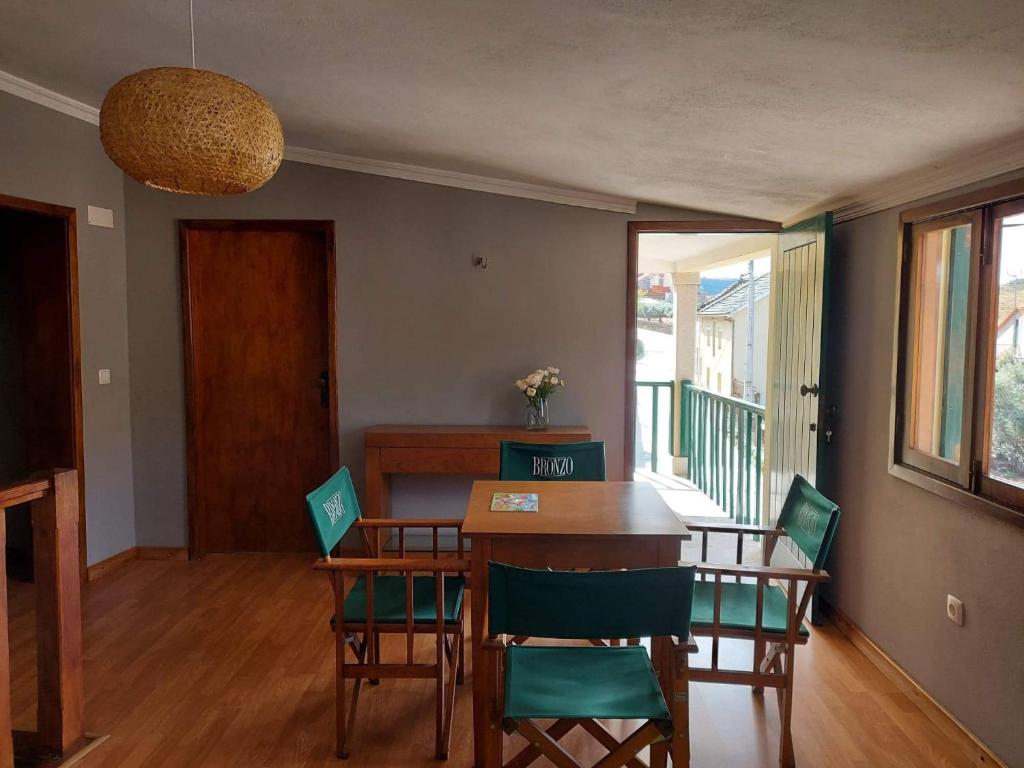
column 229, row 661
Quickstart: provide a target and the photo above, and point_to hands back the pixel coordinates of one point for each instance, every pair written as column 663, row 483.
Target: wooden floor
column 229, row 661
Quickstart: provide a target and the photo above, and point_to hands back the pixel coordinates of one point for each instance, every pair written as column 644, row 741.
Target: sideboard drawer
column 439, row 461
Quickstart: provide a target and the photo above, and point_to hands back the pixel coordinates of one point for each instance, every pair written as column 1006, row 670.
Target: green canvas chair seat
column 389, row 600
column 554, row 461
column 739, row 607
column 609, row 683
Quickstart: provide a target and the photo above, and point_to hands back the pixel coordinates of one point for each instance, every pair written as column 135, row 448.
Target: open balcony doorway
column 700, row 311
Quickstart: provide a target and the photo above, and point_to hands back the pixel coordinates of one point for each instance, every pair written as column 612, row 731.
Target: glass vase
column 537, row 414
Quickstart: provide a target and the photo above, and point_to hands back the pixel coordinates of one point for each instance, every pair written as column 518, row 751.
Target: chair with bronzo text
column 552, row 461
column 765, row 604
column 410, row 595
column 581, row 685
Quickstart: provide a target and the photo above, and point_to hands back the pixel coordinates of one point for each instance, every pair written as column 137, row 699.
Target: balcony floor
column 229, row 661
column 685, row 499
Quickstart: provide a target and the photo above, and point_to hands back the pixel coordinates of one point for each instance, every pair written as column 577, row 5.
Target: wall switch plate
column 104, row 375
column 101, row 217
column 955, row 610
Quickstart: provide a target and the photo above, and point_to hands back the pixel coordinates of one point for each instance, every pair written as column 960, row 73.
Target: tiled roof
column 734, row 298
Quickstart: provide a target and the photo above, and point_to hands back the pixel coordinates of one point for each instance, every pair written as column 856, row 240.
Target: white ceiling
column 752, row 108
column 690, row 252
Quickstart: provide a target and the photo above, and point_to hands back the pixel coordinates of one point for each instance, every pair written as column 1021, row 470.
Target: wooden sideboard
column 440, row 450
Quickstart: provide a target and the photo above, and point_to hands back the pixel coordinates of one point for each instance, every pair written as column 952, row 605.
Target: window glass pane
column 1006, row 445
column 938, row 315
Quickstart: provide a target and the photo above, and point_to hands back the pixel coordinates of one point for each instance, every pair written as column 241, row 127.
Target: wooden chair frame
column 447, row 668
column 773, row 651
column 656, row 734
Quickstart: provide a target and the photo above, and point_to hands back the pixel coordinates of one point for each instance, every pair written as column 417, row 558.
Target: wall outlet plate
column 955, row 610
column 104, row 375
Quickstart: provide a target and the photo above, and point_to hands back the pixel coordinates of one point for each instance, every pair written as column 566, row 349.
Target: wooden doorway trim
column 196, row 545
column 69, row 215
column 635, row 229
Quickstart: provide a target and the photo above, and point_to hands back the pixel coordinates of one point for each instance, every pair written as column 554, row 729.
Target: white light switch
column 104, row 375
column 101, row 217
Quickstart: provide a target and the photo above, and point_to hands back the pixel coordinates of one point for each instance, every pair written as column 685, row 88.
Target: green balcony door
column 798, row 427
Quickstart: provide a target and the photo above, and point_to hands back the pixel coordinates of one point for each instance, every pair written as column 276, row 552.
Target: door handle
column 811, row 390
column 325, row 389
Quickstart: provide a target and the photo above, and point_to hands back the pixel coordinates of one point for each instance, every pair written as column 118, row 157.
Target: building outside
column 722, row 340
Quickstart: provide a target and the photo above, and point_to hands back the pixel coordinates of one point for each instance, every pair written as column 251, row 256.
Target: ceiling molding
column 935, row 179
column 37, row 94
column 25, row 89
column 461, row 180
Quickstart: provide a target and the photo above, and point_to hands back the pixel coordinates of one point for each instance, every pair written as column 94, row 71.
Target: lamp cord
column 192, row 32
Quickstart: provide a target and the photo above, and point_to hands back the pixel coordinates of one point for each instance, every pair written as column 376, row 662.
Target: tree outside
column 1008, row 419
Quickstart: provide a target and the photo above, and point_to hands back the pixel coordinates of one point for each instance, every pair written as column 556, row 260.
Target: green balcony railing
column 723, row 438
column 659, row 424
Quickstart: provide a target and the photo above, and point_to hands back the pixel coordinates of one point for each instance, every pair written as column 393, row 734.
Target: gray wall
column 901, row 549
column 51, row 157
column 423, row 335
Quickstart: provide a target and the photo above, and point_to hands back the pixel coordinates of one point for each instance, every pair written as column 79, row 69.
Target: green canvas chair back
column 333, row 507
column 566, row 605
column 563, row 461
column 810, row 520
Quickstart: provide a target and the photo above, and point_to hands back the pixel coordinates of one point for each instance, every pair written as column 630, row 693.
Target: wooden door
column 797, row 426
column 258, row 306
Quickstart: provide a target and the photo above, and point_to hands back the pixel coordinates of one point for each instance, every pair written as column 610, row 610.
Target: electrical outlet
column 955, row 610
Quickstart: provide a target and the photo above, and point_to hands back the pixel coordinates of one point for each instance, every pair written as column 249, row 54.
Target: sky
column 734, row 271
column 1011, row 251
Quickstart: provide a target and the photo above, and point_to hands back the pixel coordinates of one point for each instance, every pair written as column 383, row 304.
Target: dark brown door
column 258, row 302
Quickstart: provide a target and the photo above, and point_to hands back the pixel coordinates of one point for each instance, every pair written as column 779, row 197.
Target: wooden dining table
column 593, row 525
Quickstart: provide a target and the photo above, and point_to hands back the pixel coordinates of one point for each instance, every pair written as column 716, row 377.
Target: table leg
column 478, row 608
column 378, row 494
column 669, row 550
column 378, row 487
column 659, row 657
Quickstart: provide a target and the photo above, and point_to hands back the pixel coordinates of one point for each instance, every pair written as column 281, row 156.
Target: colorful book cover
column 514, row 502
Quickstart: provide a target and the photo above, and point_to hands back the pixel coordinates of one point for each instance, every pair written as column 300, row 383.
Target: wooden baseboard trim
column 972, row 746
column 112, row 563
column 161, row 553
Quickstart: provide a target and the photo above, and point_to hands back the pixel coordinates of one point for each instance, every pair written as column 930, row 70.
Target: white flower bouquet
column 539, row 384
column 537, row 387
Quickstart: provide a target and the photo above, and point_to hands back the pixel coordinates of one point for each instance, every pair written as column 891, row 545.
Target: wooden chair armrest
column 494, row 643
column 795, row 574
column 734, row 528
column 440, row 522
column 689, row 646
column 366, row 564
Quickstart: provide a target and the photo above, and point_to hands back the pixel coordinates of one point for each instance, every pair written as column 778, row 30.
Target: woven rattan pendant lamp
column 191, row 131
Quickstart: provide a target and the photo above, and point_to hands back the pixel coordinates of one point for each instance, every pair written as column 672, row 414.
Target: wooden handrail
column 24, row 491
column 61, row 697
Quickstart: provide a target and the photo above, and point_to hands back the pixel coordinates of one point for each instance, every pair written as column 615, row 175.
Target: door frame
column 196, row 543
column 70, row 218
column 634, row 230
